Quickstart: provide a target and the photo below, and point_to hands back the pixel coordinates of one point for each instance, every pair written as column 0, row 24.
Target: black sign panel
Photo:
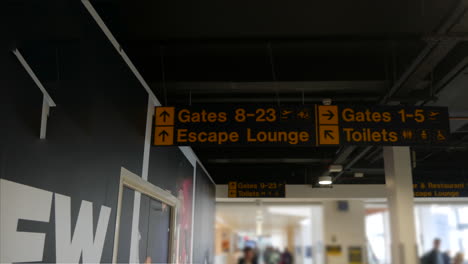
column 235, row 125
column 440, row 188
column 300, row 125
column 256, row 189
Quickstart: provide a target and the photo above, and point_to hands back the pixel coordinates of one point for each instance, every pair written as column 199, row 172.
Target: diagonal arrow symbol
column 164, row 115
column 163, row 134
column 329, row 114
column 328, row 133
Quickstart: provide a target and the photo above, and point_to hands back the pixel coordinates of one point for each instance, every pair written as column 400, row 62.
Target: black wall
column 204, row 218
column 96, row 128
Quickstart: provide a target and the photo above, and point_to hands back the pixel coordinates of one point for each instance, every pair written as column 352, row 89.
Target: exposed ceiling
column 369, row 52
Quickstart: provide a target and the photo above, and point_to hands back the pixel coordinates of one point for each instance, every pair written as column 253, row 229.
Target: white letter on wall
column 19, row 201
column 69, row 249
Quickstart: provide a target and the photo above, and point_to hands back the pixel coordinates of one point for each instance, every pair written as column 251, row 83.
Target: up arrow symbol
column 164, row 115
column 163, row 134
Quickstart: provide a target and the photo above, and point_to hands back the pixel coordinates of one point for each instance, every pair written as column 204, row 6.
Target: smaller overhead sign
column 433, row 189
column 256, row 189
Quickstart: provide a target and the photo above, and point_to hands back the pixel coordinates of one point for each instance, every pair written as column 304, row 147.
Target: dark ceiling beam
column 273, row 99
column 450, row 86
column 369, row 87
column 378, row 171
column 455, row 69
column 426, row 66
column 418, row 171
column 376, row 157
column 358, row 157
column 298, row 152
column 343, row 154
column 432, row 54
column 342, row 39
column 269, row 160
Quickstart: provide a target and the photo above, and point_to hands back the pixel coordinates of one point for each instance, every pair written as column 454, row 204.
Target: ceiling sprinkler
column 327, row 101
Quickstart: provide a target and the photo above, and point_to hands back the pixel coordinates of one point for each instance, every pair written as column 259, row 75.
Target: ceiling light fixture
column 358, row 174
column 259, row 229
column 325, row 180
column 335, row 168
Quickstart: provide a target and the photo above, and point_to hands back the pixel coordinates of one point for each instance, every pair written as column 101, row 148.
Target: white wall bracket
column 47, row 101
column 44, row 116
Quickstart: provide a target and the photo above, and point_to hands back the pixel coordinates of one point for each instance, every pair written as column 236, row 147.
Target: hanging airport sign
column 300, row 125
column 256, row 189
column 440, row 189
column 235, row 125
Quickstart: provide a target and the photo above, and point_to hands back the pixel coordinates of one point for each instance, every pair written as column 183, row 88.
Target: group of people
column 435, row 256
column 274, row 256
column 270, row 256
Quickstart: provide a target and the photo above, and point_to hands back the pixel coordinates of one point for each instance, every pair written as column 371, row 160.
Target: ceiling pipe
column 461, row 66
column 352, row 162
column 438, row 48
column 343, row 154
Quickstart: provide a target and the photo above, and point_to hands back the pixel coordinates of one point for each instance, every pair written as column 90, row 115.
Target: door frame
column 136, row 183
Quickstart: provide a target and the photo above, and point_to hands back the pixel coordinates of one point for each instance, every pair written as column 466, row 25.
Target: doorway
column 146, row 217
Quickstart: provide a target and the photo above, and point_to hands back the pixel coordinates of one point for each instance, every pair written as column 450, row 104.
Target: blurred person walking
column 276, row 256
column 286, row 257
column 446, row 257
column 458, row 259
column 249, row 256
column 267, row 254
column 434, row 256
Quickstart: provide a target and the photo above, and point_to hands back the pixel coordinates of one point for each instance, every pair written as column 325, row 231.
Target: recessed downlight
column 325, row 180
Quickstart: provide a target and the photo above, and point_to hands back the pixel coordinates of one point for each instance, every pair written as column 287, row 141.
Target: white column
column 317, row 234
column 399, row 181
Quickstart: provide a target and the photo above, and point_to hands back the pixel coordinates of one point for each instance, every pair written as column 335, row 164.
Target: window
column 463, row 216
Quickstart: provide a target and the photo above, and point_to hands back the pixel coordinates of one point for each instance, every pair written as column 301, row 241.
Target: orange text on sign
column 350, row 115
